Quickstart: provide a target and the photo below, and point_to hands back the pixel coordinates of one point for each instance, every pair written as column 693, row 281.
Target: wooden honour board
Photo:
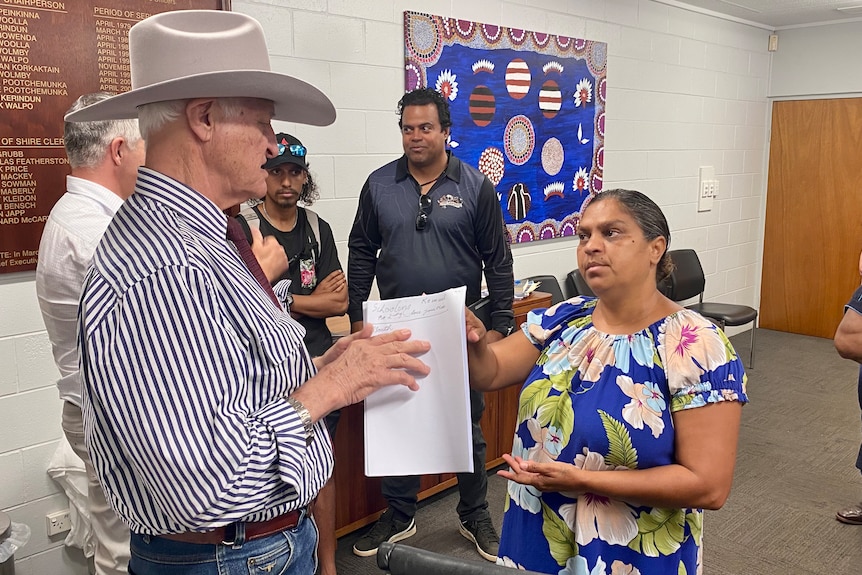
column 51, row 52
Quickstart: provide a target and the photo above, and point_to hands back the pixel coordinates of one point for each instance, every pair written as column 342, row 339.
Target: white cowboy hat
column 202, row 54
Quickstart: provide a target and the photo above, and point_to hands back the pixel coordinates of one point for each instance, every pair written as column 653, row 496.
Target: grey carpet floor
column 795, row 467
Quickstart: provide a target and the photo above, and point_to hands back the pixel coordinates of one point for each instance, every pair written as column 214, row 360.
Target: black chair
column 549, row 285
column 577, row 284
column 481, row 308
column 688, row 281
column 399, row 559
column 665, row 286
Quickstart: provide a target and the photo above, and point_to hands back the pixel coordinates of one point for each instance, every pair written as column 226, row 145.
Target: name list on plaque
column 51, row 52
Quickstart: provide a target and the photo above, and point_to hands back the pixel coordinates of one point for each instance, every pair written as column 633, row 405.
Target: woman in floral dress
column 628, row 421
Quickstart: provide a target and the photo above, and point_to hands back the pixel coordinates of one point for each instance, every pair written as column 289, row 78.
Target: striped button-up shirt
column 186, row 362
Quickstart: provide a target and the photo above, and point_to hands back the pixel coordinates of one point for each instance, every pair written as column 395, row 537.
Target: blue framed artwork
column 528, row 110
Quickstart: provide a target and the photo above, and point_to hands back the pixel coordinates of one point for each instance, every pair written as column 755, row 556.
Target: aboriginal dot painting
column 528, row 110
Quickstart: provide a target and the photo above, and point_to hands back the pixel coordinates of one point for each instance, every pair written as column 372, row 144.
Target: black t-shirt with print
column 307, row 267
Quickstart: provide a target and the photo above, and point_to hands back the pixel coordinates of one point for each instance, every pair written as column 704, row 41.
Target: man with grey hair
column 104, row 157
column 203, row 409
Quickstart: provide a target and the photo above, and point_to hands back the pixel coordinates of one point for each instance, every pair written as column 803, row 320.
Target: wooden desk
column 339, row 326
column 358, row 500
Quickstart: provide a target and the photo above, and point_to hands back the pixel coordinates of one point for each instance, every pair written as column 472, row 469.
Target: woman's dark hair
column 423, row 97
column 309, row 193
column 649, row 218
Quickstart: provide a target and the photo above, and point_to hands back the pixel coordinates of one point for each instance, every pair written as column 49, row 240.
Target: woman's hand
column 701, row 477
column 554, row 476
column 475, row 328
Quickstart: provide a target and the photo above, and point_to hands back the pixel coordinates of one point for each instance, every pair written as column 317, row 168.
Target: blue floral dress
column 604, row 402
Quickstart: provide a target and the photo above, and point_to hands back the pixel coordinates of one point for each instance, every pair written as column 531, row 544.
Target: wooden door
column 813, row 232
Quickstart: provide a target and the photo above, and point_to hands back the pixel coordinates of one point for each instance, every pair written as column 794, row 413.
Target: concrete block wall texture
column 684, row 90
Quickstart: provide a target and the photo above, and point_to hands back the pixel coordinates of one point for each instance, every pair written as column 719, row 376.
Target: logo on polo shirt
column 449, row 201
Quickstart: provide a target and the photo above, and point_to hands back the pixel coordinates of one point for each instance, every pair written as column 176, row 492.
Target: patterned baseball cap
column 290, row 150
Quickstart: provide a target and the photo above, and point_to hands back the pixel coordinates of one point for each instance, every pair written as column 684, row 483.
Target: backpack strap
column 248, row 218
column 314, row 240
column 249, row 214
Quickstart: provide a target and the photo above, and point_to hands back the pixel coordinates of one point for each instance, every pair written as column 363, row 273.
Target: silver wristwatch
column 304, row 416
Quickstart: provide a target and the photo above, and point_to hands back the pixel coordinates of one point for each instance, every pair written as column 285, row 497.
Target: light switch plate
column 706, row 187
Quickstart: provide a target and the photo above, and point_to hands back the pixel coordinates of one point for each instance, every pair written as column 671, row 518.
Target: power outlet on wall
column 707, row 188
column 59, row 522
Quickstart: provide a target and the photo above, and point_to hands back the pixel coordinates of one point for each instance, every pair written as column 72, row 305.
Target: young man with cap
column 425, row 223
column 104, row 157
column 202, row 408
column 318, row 289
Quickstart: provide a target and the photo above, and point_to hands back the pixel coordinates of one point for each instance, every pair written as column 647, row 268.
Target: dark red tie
column 236, row 234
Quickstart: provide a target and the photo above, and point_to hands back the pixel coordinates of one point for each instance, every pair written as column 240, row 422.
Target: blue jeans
column 291, row 552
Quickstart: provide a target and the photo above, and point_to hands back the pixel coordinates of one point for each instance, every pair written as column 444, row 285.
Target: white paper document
column 427, row 431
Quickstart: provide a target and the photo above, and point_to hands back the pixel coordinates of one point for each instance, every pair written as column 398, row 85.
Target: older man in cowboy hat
column 203, row 410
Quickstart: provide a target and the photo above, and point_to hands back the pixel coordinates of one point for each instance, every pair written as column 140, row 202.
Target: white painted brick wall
column 9, row 370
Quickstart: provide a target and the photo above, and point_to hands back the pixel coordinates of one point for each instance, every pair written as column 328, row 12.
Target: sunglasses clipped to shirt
column 425, row 206
column 296, row 150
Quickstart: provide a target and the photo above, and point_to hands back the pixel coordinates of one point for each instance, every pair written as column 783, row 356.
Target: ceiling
column 784, row 13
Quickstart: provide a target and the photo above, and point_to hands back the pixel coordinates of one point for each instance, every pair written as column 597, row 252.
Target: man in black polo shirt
column 437, row 224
